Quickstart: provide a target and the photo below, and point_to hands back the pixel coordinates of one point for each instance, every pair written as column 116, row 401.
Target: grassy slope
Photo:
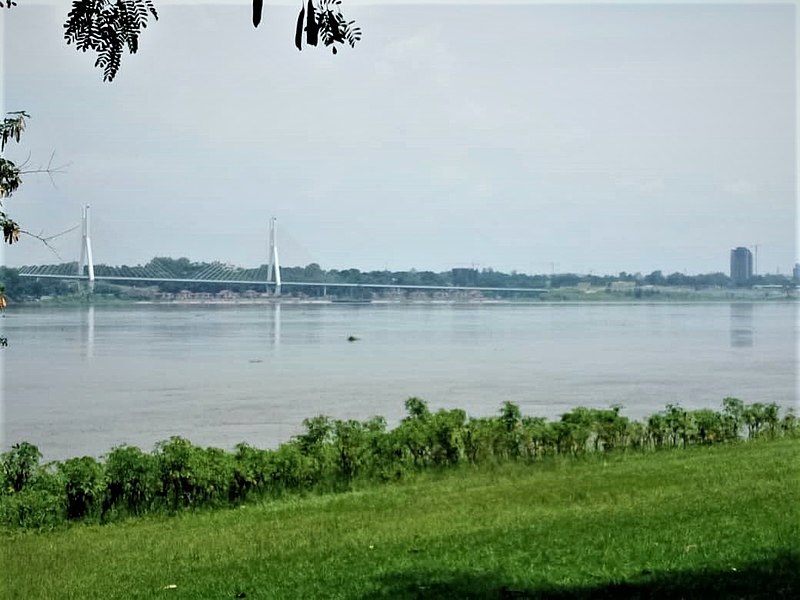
column 708, row 522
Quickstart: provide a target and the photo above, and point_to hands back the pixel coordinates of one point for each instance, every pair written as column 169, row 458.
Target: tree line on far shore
column 332, row 455
column 18, row 288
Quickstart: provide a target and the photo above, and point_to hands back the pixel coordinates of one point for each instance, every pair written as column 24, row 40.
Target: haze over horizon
column 580, row 138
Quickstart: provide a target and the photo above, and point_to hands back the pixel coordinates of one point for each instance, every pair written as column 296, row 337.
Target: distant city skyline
column 741, row 267
column 572, row 138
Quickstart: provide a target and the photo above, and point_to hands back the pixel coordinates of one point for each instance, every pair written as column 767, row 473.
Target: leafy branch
column 326, row 22
column 12, row 127
column 107, row 27
column 11, row 174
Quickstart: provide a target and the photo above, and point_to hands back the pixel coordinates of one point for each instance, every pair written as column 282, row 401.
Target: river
column 81, row 380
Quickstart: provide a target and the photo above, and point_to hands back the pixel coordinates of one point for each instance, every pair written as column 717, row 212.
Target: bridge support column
column 86, row 249
column 273, row 266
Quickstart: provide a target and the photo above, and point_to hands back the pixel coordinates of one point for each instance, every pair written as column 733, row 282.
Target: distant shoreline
column 698, row 298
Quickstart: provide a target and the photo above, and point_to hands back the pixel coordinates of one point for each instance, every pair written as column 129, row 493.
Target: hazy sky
column 597, row 137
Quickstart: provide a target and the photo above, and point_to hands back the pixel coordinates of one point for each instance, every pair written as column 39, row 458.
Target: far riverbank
column 126, row 295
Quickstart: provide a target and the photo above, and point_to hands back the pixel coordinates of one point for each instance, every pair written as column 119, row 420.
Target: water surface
column 81, row 380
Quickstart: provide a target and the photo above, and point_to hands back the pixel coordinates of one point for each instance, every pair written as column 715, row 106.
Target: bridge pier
column 273, row 266
column 86, row 249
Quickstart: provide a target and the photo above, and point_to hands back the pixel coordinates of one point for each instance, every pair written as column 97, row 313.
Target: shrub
column 252, row 472
column 755, row 416
column 710, row 426
column 191, row 475
column 212, row 475
column 610, row 428
column 447, row 436
column 657, row 431
column 513, row 436
column 416, row 408
column 574, row 430
column 733, row 411
column 790, row 425
column 19, row 465
column 679, row 424
column 541, row 437
column 292, row 470
column 132, row 480
column 481, row 438
column 174, row 459
column 316, row 444
column 84, row 486
column 350, row 443
column 33, row 509
column 331, row 454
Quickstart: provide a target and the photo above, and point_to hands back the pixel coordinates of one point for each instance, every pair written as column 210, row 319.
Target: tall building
column 741, row 265
column 796, row 273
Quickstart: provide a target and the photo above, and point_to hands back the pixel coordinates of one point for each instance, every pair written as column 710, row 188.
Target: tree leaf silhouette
column 106, row 27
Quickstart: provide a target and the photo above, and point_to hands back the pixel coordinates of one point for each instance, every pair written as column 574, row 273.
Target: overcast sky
column 585, row 138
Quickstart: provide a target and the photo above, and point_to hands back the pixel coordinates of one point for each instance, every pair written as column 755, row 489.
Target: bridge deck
column 292, row 283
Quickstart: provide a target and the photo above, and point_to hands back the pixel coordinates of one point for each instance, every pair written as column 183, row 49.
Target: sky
column 588, row 138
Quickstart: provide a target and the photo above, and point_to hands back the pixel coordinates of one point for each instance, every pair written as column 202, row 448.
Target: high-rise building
column 796, row 273
column 741, row 265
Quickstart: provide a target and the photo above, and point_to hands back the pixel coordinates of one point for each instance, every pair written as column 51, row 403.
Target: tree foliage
column 19, row 465
column 11, row 129
column 10, row 173
column 109, row 27
column 326, row 22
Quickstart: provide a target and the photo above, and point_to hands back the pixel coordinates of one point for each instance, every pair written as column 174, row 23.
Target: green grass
column 705, row 522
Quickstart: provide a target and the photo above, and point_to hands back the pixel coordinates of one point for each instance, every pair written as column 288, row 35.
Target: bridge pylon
column 273, row 265
column 86, row 248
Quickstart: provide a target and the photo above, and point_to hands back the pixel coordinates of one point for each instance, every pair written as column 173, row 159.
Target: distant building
column 622, row 286
column 796, row 273
column 741, row 265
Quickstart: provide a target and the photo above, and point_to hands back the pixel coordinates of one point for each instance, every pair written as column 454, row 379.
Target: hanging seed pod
column 312, row 29
column 298, row 32
column 258, row 5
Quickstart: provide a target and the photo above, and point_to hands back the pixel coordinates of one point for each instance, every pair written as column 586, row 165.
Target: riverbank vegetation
column 709, row 521
column 337, row 455
column 561, row 286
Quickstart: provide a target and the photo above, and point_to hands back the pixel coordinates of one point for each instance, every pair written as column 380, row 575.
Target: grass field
column 710, row 522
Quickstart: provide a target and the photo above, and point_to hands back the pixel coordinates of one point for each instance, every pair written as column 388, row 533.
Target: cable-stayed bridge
column 268, row 276
column 213, row 273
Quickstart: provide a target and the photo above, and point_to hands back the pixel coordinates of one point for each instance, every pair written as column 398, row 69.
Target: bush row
column 331, row 454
